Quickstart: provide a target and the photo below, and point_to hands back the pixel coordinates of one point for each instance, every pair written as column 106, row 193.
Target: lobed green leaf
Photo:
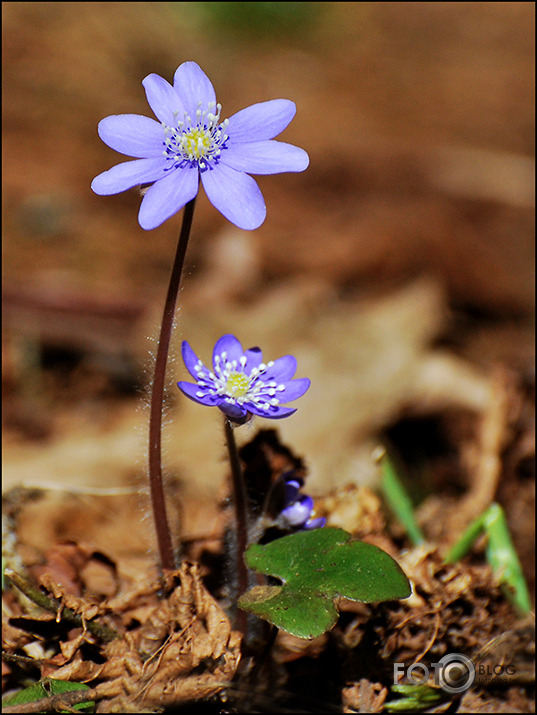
column 316, row 568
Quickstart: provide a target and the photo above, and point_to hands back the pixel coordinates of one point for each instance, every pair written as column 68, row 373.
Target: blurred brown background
column 399, row 267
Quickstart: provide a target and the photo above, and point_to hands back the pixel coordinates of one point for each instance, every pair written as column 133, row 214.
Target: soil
column 398, row 269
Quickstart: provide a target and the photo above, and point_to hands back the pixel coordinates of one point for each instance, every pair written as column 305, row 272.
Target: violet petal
column 132, row 135
column 229, row 345
column 167, row 197
column 261, row 121
column 265, row 157
column 163, row 100
column 281, row 370
column 236, row 195
column 194, row 88
column 196, row 393
column 128, row 174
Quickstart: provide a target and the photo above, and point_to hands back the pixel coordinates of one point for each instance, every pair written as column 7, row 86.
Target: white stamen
column 200, row 141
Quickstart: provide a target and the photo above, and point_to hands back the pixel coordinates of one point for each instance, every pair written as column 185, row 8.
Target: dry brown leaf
column 513, row 700
column 62, row 564
column 186, row 632
column 484, row 457
column 364, row 697
column 356, row 509
column 13, row 638
column 70, row 647
column 454, row 608
column 82, row 606
column 289, row 648
column 77, row 668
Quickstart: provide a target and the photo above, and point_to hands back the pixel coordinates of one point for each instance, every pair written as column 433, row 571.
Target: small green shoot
column 501, row 554
column 416, row 698
column 46, row 688
column 398, row 500
column 316, row 567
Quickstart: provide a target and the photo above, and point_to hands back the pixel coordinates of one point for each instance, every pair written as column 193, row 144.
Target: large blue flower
column 189, row 141
column 241, row 384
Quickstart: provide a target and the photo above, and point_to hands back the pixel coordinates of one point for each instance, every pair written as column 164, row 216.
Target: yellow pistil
column 196, row 143
column 237, row 384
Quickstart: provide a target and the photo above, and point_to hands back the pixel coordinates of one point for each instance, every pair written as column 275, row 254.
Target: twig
column 57, row 702
column 486, row 463
column 52, row 605
column 22, row 660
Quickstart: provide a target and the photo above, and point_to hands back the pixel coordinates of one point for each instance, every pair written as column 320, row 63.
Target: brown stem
column 54, row 606
column 167, row 557
column 241, row 519
column 55, row 703
column 24, row 661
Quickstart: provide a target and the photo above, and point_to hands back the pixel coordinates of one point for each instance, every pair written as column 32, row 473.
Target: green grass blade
column 398, row 500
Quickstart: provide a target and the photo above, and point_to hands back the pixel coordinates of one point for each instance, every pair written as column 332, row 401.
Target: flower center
column 197, row 142
column 237, row 384
column 230, row 382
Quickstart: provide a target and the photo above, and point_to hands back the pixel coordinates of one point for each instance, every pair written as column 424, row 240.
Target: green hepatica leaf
column 316, row 568
column 45, row 689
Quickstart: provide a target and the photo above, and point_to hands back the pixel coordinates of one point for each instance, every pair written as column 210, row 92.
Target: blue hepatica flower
column 298, row 509
column 190, row 141
column 241, row 384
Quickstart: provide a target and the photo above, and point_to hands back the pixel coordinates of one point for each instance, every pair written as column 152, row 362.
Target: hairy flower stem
column 241, row 519
column 167, row 558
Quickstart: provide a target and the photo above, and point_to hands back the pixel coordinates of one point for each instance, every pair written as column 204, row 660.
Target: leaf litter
column 177, row 645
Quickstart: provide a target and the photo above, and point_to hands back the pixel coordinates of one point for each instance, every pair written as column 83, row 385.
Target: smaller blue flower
column 298, row 509
column 241, row 384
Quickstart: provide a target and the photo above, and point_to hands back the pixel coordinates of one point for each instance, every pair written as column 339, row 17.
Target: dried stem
column 54, row 606
column 240, row 502
column 167, row 557
column 24, row 661
column 59, row 702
